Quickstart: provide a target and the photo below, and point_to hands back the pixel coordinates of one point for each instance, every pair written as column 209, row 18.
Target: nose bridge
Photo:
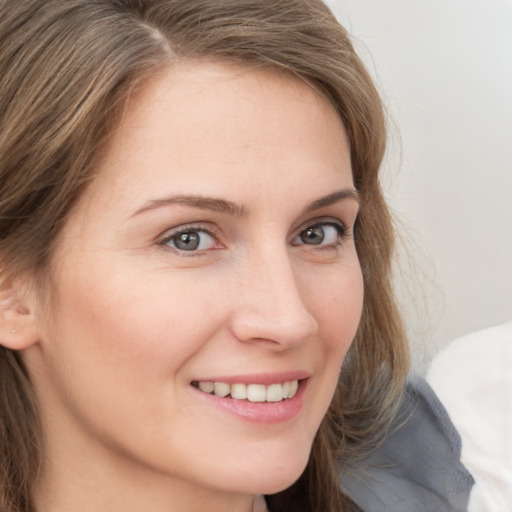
column 272, row 305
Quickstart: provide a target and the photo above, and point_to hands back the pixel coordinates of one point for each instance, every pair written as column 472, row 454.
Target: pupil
column 187, row 241
column 314, row 235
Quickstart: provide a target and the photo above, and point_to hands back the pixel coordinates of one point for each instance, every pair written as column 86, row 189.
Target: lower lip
column 264, row 413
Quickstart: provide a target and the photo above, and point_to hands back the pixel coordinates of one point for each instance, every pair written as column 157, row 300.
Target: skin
column 135, row 320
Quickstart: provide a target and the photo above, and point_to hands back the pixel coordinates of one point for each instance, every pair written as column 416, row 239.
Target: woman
column 195, row 257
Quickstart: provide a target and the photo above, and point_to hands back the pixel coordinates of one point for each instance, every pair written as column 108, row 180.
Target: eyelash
column 167, row 238
column 341, row 229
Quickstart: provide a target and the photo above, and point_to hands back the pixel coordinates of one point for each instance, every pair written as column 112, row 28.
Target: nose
column 269, row 304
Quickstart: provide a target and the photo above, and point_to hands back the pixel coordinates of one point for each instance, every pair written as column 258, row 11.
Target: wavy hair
column 67, row 69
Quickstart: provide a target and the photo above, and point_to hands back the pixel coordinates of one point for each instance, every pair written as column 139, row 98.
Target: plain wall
column 445, row 69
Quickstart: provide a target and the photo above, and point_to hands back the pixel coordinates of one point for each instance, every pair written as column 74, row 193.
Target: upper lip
column 258, row 378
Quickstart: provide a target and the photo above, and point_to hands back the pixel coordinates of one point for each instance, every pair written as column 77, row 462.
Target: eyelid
column 201, row 227
column 344, row 230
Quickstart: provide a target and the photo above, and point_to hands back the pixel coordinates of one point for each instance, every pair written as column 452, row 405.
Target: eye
column 190, row 240
column 325, row 234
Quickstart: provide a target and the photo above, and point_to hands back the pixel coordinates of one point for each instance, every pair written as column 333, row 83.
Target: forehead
column 239, row 126
column 197, row 92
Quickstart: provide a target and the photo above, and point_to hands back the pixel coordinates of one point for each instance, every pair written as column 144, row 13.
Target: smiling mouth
column 251, row 392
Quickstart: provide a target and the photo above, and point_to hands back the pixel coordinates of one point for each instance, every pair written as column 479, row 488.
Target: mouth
column 278, row 392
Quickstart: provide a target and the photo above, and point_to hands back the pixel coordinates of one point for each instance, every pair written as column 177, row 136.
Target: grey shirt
column 417, row 468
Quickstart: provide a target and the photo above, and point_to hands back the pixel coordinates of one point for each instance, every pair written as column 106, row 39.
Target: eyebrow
column 203, row 203
column 240, row 210
column 335, row 197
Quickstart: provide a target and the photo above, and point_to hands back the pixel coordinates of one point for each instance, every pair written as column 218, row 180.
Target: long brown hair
column 66, row 70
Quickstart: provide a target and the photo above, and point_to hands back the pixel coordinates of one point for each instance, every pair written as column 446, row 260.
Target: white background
column 445, row 70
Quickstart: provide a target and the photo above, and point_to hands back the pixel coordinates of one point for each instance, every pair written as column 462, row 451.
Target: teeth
column 222, row 389
column 239, row 391
column 275, row 393
column 251, row 392
column 207, row 387
column 294, row 385
column 256, row 393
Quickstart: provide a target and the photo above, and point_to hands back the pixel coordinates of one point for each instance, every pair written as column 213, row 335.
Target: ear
column 18, row 329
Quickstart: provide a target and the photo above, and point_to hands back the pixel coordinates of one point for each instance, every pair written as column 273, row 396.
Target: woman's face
column 214, row 246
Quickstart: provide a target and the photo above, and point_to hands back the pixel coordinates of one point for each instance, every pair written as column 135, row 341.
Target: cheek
column 119, row 324
column 117, row 341
column 336, row 303
column 337, row 306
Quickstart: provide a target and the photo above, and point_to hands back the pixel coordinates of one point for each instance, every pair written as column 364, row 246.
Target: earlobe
column 18, row 328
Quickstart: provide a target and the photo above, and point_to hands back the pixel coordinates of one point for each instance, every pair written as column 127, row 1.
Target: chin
column 274, row 474
column 281, row 482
